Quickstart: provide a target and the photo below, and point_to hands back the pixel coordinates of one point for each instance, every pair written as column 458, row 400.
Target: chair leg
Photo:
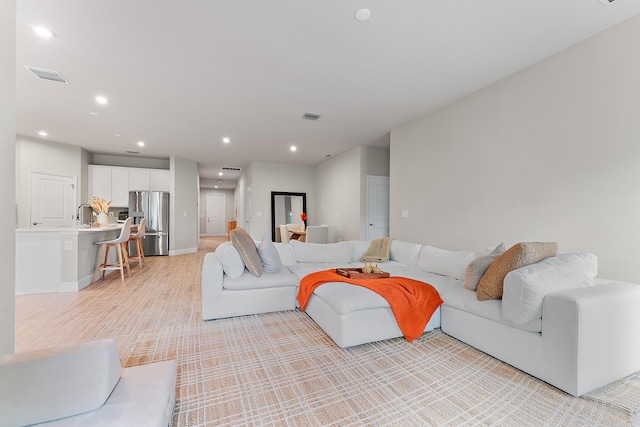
column 140, row 252
column 125, row 257
column 99, row 262
column 120, row 262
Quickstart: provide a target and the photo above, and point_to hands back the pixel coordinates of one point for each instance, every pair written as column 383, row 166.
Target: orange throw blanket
column 412, row 302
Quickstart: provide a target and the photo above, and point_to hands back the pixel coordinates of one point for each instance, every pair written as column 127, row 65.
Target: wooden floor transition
column 165, row 292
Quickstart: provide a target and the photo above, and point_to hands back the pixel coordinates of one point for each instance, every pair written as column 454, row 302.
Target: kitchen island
column 59, row 259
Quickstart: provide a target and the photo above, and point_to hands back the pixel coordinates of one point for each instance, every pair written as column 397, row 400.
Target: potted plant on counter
column 101, row 207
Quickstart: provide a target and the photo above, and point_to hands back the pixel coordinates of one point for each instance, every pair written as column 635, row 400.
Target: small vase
column 103, row 219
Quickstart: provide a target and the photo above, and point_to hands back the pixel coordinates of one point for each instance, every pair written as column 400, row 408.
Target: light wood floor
column 165, row 292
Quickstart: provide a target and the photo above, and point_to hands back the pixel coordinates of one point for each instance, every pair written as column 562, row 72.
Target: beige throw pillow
column 248, row 251
column 521, row 254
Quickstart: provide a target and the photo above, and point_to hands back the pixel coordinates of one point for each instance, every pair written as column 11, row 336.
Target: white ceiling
column 182, row 75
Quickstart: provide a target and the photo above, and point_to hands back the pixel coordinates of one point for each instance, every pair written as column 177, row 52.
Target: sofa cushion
column 302, row 269
column 321, row 252
column 269, row 255
column 358, row 249
column 232, row 262
column 519, row 255
column 281, row 279
column 476, row 268
column 248, row 251
column 287, row 255
column 465, row 300
column 444, row 262
column 404, row 252
column 346, row 298
column 45, row 385
column 526, row 287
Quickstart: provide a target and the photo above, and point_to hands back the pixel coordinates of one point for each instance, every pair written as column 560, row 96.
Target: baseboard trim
column 183, row 251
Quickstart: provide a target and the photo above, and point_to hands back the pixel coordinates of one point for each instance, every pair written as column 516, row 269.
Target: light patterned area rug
column 281, row 369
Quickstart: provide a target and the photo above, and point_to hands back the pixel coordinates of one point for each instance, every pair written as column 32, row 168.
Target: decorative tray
column 356, row 273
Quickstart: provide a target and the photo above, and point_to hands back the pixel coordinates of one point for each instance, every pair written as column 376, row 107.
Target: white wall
column 129, row 161
column 266, row 177
column 551, row 153
column 37, row 155
column 183, row 229
column 7, row 174
column 339, row 195
column 342, row 190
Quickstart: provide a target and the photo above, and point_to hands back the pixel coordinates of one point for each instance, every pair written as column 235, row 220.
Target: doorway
column 216, row 207
column 52, row 200
column 377, row 207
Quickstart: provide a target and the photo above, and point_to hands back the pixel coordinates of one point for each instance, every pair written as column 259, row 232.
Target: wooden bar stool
column 123, row 258
column 137, row 238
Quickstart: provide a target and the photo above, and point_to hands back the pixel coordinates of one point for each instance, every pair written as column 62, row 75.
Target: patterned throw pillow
column 248, row 251
column 521, row 254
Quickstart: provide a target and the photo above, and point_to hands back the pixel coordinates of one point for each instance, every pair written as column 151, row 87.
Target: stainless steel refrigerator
column 154, row 205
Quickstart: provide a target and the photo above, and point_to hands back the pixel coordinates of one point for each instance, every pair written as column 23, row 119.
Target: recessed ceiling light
column 117, row 135
column 220, row 173
column 226, row 140
column 93, row 113
column 293, row 148
column 362, row 15
column 215, row 186
column 140, row 143
column 44, row 32
column 101, row 99
column 42, row 133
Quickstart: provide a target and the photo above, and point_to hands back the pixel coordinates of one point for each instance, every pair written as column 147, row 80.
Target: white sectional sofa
column 550, row 322
column 84, row 385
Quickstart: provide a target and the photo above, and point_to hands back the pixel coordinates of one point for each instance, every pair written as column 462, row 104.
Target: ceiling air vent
column 45, row 74
column 311, row 116
column 607, row 2
column 230, row 169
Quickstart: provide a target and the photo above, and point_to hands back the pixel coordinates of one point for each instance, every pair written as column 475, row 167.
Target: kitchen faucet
column 78, row 211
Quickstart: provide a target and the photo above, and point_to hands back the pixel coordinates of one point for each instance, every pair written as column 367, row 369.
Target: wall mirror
column 286, row 209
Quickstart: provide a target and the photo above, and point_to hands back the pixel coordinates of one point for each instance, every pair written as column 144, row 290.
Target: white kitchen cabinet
column 160, row 180
column 110, row 183
column 100, row 182
column 120, row 186
column 139, row 180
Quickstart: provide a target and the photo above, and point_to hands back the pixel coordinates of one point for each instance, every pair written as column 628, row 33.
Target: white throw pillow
column 269, row 255
column 526, row 287
column 232, row 262
column 287, row 255
column 478, row 266
column 404, row 252
column 321, row 252
column 444, row 262
column 359, row 248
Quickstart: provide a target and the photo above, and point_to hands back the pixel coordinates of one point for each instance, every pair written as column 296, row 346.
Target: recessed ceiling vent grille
column 230, row 169
column 45, row 74
column 311, row 116
column 607, row 2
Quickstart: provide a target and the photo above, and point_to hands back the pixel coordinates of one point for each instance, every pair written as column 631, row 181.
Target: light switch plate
column 405, row 213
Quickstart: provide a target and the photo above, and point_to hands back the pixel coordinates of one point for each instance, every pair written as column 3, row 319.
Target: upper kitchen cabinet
column 149, row 180
column 110, row 183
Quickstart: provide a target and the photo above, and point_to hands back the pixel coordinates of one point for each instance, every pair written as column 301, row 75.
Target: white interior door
column 377, row 207
column 216, row 207
column 53, row 200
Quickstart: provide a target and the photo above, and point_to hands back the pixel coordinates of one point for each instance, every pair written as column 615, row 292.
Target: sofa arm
column 589, row 335
column 212, row 277
column 46, row 385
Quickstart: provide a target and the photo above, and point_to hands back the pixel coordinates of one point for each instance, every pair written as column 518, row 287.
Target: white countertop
column 73, row 229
